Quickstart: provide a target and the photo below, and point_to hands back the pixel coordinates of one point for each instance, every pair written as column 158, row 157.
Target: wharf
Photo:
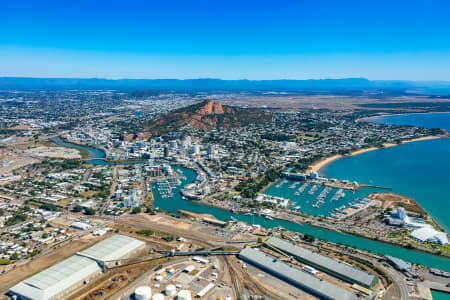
column 374, row 186
column 437, row 286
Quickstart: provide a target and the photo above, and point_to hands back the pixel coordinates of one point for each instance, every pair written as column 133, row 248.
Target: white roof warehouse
column 64, row 277
column 326, row 264
column 309, row 283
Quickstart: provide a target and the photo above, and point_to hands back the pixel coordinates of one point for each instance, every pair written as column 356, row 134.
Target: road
column 111, row 190
column 396, row 277
column 86, row 175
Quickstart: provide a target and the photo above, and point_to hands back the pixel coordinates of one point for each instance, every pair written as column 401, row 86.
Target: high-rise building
column 173, row 145
column 212, row 151
column 196, row 149
column 186, row 141
column 133, row 199
column 166, row 152
column 401, row 213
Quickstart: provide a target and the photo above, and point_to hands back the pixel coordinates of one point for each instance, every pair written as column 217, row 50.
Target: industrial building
column 428, row 234
column 294, row 176
column 399, row 264
column 73, row 272
column 323, row 263
column 305, row 281
column 116, row 247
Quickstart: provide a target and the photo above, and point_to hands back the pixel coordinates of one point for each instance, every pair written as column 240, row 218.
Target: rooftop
column 53, row 281
column 309, row 283
column 328, row 264
column 115, row 247
column 60, row 278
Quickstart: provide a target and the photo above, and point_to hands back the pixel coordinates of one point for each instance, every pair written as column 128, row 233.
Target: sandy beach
column 320, row 164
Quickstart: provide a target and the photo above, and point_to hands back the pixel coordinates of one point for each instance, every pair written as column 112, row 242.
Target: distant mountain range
column 197, row 85
column 206, row 115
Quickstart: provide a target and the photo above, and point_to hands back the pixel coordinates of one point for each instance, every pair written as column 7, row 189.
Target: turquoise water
column 306, row 201
column 440, row 295
column 174, row 203
column 420, row 170
column 432, row 120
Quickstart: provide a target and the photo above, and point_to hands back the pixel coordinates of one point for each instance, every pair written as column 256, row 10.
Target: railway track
column 236, row 283
column 250, row 284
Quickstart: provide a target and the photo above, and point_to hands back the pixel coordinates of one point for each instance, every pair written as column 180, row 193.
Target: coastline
column 322, row 163
column 367, row 119
column 314, row 224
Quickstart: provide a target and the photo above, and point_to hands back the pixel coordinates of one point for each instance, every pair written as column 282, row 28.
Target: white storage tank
column 184, row 295
column 143, row 293
column 158, row 297
column 171, row 290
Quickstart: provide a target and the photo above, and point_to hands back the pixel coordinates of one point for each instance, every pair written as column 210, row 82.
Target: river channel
column 175, row 202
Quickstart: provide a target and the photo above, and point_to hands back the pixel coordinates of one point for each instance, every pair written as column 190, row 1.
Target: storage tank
column 184, row 295
column 171, row 290
column 158, row 297
column 143, row 293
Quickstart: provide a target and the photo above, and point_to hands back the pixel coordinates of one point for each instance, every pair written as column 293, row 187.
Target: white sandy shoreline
column 322, row 163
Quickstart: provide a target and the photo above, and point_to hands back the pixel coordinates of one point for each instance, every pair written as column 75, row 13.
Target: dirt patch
column 45, row 261
column 169, row 222
column 392, row 200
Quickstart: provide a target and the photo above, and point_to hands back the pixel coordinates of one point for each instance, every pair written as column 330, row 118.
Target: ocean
column 420, row 170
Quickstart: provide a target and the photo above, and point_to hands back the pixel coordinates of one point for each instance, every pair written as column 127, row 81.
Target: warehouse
column 73, row 272
column 309, row 283
column 328, row 265
column 399, row 264
column 116, row 247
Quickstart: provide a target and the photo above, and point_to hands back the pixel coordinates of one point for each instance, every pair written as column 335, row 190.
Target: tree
column 146, row 232
column 89, row 211
column 168, row 238
column 77, row 208
column 49, row 207
column 309, row 238
column 136, row 210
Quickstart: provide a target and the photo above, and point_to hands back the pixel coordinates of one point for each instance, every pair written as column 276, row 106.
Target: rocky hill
column 207, row 115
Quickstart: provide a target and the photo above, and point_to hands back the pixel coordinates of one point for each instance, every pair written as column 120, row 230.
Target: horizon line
column 215, row 78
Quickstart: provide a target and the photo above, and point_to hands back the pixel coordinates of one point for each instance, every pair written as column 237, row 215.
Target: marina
column 301, row 189
column 405, row 168
column 339, row 194
column 165, row 187
column 320, row 200
column 175, row 203
column 280, row 184
column 313, row 189
column 294, row 185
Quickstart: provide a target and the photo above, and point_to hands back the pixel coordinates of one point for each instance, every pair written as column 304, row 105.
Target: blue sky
column 226, row 39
